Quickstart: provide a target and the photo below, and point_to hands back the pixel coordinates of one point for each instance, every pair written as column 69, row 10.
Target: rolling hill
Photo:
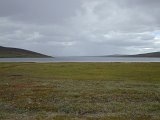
column 152, row 54
column 7, row 52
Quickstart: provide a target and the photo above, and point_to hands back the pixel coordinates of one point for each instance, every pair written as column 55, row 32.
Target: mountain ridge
column 151, row 54
column 9, row 52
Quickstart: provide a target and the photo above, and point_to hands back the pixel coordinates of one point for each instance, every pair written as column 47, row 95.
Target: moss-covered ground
column 80, row 91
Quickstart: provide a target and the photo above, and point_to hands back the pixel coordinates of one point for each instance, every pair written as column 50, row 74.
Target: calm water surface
column 82, row 59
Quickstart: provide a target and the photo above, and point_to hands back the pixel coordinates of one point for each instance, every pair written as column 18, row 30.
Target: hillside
column 7, row 52
column 152, row 54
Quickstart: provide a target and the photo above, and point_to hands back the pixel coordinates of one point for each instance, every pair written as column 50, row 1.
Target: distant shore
column 82, row 59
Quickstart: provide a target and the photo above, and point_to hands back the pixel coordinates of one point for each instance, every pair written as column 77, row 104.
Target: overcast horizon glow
column 81, row 27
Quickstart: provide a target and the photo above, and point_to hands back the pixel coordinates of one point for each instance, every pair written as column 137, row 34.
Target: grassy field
column 80, row 91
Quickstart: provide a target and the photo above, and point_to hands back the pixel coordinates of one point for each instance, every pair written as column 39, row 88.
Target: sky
column 81, row 27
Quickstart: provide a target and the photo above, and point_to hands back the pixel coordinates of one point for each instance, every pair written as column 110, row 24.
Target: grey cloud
column 39, row 11
column 81, row 27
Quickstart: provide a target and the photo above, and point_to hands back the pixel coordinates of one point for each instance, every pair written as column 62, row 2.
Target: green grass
column 90, row 91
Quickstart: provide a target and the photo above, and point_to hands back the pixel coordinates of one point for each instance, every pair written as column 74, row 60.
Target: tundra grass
column 80, row 91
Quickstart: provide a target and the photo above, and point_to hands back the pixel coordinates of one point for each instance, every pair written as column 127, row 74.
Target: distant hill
column 152, row 54
column 7, row 52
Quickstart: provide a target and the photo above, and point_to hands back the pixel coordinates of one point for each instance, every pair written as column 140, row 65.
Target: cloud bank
column 81, row 27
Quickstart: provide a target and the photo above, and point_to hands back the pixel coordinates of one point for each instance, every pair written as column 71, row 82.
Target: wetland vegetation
column 80, row 91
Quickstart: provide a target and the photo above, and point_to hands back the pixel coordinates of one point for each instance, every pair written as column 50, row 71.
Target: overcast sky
column 81, row 27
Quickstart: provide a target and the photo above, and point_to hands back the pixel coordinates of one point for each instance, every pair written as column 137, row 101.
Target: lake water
column 82, row 59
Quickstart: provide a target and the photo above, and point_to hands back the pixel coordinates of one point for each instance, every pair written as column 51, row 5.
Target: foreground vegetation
column 91, row 91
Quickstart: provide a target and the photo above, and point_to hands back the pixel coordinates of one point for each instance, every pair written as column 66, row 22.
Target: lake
column 82, row 59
